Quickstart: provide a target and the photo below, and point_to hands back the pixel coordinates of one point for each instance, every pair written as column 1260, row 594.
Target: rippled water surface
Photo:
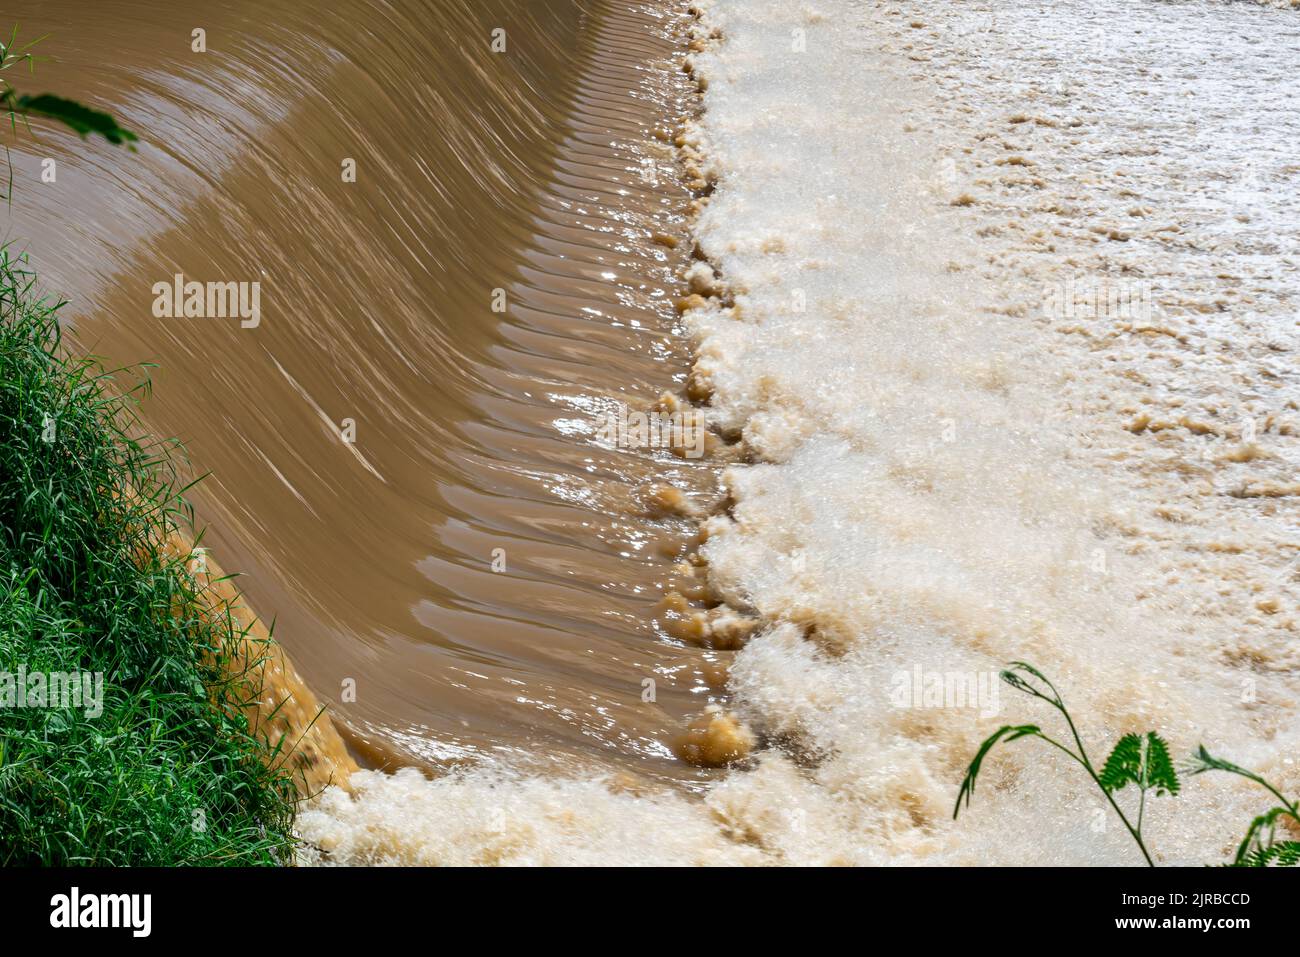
column 401, row 452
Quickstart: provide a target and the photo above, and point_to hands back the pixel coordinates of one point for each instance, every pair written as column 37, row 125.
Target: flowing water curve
column 402, row 452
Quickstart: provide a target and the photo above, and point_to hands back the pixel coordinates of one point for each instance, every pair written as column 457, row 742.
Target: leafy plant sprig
column 1142, row 760
column 1260, row 847
column 70, row 113
column 76, row 116
column 1139, row 760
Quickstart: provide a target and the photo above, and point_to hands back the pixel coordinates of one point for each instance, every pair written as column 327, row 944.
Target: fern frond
column 1281, row 854
column 1258, row 835
column 1151, row 769
column 1159, row 772
column 1124, row 766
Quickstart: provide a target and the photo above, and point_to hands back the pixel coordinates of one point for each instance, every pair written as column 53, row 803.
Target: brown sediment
column 715, row 739
column 285, row 712
column 409, row 477
column 281, row 709
column 693, row 612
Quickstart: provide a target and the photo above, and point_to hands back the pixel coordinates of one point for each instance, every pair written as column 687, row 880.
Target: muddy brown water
column 407, row 478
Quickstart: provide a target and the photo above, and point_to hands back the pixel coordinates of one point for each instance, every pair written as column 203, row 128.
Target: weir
column 493, row 272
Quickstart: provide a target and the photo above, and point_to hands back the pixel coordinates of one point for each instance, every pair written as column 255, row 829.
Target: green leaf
column 1284, row 853
column 82, row 119
column 1011, row 675
column 1007, row 732
column 1159, row 770
column 1145, row 764
column 1124, row 765
column 1204, row 761
column 1255, row 839
column 1281, row 854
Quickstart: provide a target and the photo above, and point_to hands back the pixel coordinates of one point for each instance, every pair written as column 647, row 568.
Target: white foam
column 498, row 818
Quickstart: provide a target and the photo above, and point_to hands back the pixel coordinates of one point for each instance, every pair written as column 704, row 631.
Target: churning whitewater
column 1005, row 341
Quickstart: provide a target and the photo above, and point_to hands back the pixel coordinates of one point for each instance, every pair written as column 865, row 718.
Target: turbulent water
column 942, row 455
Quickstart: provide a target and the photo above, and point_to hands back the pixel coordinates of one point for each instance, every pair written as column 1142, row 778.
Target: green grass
column 170, row 772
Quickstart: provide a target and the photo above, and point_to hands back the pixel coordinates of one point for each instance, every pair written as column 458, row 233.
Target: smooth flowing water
column 401, row 445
